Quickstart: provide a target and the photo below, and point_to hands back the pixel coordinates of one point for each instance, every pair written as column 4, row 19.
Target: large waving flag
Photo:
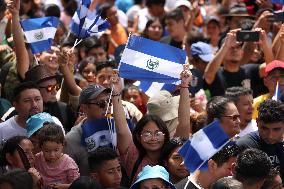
column 86, row 23
column 148, row 60
column 203, row 145
column 277, row 92
column 40, row 32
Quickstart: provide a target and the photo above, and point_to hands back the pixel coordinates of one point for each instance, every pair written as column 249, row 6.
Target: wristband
column 117, row 94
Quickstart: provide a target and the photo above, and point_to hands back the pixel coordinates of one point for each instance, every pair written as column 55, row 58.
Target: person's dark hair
column 271, row 179
column 128, row 87
column 139, row 127
column 149, row 3
column 148, row 24
column 71, row 7
column 99, row 156
column 230, row 150
column 104, row 8
column 175, row 15
column 216, row 108
column 194, row 37
column 227, row 183
column 3, row 6
column 94, row 45
column 169, row 147
column 85, row 182
column 10, row 147
column 22, row 87
column 252, row 165
column 85, row 62
column 105, row 64
column 52, row 10
column 234, row 93
column 17, row 179
column 271, row 111
column 51, row 132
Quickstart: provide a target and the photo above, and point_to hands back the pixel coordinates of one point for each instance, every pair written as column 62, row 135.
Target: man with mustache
column 27, row 102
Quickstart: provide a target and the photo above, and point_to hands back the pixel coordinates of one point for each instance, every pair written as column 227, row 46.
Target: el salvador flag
column 40, row 32
column 86, row 23
column 277, row 92
column 151, row 88
column 203, row 145
column 147, row 60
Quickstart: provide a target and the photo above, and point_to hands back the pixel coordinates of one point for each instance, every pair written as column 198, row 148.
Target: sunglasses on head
column 50, row 88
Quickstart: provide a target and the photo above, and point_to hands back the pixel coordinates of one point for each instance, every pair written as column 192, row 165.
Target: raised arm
column 265, row 46
column 280, row 53
column 20, row 48
column 184, row 129
column 124, row 136
column 214, row 65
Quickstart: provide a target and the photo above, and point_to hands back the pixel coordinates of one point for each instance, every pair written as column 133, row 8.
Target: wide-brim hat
column 155, row 172
column 238, row 11
column 164, row 105
column 40, row 73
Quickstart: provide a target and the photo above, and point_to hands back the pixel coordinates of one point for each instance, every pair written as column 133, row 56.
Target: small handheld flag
column 147, row 60
column 40, row 32
column 277, row 92
column 86, row 23
column 203, row 145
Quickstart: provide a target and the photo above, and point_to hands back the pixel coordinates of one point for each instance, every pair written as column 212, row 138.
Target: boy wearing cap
column 274, row 72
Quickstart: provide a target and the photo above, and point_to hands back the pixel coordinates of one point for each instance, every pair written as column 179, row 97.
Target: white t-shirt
column 251, row 127
column 11, row 128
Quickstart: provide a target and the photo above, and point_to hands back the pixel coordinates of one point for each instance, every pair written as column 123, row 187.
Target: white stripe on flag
column 40, row 34
column 154, row 88
column 202, row 145
column 138, row 59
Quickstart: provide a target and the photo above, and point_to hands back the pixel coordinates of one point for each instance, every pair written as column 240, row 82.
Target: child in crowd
column 58, row 170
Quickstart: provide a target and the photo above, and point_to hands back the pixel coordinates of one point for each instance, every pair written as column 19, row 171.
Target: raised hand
column 115, row 81
column 13, row 6
column 185, row 76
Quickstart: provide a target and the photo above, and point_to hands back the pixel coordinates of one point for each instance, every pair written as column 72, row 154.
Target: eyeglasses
column 276, row 77
column 101, row 104
column 233, row 117
column 50, row 88
column 147, row 136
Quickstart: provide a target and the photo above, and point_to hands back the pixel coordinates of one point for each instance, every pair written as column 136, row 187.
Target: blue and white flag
column 203, row 145
column 86, row 23
column 281, row 2
column 151, row 88
column 147, row 60
column 277, row 92
column 40, row 32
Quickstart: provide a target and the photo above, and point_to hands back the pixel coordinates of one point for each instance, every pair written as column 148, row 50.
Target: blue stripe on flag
column 40, row 46
column 135, row 73
column 216, row 134
column 37, row 23
column 156, row 49
column 194, row 161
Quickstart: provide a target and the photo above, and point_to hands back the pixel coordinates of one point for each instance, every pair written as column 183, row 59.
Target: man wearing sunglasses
column 49, row 84
column 95, row 130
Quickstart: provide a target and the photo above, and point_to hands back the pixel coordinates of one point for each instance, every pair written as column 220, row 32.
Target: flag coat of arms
column 147, row 60
column 203, row 145
column 40, row 32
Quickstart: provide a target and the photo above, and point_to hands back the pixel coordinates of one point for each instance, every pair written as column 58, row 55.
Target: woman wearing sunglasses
column 144, row 146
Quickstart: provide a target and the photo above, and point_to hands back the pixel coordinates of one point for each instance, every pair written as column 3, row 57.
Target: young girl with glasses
column 144, row 146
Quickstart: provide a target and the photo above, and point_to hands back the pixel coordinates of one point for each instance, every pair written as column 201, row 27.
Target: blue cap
column 35, row 122
column 149, row 172
column 202, row 50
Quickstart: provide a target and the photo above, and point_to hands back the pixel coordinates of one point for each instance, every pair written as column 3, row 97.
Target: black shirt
column 170, row 41
column 274, row 151
column 247, row 76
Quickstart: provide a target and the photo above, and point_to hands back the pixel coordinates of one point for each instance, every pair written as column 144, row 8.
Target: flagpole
column 36, row 60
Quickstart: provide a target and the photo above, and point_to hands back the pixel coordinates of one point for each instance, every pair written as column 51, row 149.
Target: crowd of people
column 69, row 121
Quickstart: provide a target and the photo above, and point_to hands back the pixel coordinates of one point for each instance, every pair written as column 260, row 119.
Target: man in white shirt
column 27, row 102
